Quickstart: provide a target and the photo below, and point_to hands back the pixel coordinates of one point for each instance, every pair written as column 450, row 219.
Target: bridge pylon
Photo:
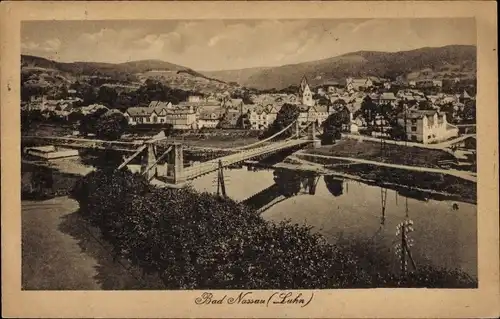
column 175, row 166
column 313, row 136
column 148, row 160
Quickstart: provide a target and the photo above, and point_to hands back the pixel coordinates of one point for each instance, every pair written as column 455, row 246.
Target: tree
column 243, row 121
column 397, row 132
column 88, row 124
column 107, row 96
column 111, row 125
column 89, row 95
column 224, row 122
column 469, row 112
column 332, row 126
column 334, row 185
column 75, row 116
column 448, row 109
column 368, row 110
column 286, row 116
column 323, row 100
column 425, row 105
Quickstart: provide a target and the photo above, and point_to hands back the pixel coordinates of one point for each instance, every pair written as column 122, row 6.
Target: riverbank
column 434, row 184
column 388, row 153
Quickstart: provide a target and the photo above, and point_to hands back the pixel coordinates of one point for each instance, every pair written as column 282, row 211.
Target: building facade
column 427, row 126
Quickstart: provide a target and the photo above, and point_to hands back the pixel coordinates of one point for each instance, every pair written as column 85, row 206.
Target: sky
column 206, row 45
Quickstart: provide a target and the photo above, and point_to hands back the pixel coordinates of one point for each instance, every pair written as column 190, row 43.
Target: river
column 445, row 231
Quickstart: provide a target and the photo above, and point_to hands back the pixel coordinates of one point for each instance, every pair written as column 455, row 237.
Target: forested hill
column 424, row 63
column 45, row 72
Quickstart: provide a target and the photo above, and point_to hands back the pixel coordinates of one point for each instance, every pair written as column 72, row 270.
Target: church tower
column 305, row 93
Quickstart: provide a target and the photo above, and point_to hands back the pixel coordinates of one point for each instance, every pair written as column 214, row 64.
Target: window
column 414, row 138
column 413, row 122
column 413, row 128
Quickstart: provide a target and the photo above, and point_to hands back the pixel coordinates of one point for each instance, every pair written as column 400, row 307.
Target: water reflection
column 348, row 211
column 334, row 185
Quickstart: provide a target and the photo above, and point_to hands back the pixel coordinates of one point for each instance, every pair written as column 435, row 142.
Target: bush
column 201, row 241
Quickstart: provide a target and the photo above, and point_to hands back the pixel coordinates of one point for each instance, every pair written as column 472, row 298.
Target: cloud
column 231, row 44
column 48, row 46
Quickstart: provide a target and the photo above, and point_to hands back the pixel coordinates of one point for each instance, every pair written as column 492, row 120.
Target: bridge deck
column 212, row 165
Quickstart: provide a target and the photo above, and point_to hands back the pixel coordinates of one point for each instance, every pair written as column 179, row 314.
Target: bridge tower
column 175, row 166
column 312, row 135
column 148, row 160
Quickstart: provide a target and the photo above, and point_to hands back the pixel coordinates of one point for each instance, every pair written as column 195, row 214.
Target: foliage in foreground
column 197, row 241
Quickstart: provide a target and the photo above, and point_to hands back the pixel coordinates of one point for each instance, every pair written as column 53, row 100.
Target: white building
column 305, row 93
column 427, row 126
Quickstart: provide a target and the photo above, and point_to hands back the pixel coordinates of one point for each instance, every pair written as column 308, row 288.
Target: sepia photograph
column 248, row 154
column 249, row 159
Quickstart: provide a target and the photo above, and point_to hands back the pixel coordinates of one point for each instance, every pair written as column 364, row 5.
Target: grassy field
column 467, row 190
column 392, row 153
column 47, row 129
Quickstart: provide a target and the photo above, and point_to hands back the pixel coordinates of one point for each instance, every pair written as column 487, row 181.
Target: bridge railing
column 267, row 139
column 212, row 165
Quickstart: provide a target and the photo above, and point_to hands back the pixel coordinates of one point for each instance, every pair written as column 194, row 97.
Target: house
column 258, row 118
column 235, row 104
column 272, row 113
column 426, row 126
column 437, row 83
column 357, row 84
column 209, row 118
column 160, row 104
column 195, row 98
column 354, row 122
column 91, row 108
column 146, row 115
column 181, row 118
column 319, row 113
column 306, row 115
column 464, row 97
column 387, row 98
column 233, row 116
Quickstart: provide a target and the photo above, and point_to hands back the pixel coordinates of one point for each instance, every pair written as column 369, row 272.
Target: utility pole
column 221, row 186
column 383, row 196
column 403, row 251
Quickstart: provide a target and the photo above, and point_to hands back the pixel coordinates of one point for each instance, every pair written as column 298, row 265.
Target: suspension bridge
column 169, row 167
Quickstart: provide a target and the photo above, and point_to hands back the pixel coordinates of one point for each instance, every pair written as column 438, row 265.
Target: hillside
column 436, row 63
column 177, row 76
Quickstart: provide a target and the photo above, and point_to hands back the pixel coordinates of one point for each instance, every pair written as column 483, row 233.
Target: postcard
column 249, row 159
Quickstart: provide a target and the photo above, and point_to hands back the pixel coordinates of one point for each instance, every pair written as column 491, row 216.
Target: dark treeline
column 94, row 92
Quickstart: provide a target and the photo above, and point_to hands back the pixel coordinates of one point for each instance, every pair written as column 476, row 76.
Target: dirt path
column 456, row 173
column 52, row 259
column 60, row 251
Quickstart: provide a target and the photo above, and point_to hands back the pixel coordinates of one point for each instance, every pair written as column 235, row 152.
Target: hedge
column 202, row 241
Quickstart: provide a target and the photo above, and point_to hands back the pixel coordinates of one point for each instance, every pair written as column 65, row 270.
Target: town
column 424, row 111
column 350, row 169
